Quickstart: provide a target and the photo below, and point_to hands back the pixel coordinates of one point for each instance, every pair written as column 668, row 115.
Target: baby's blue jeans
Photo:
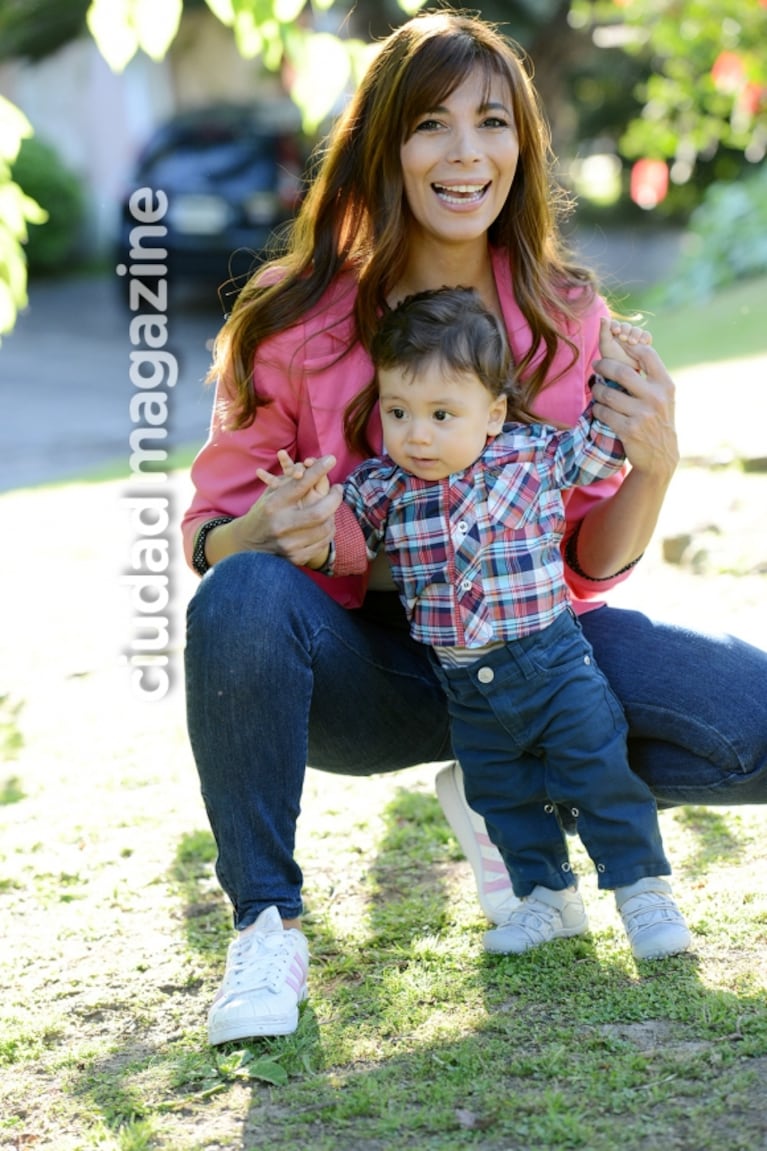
column 536, row 727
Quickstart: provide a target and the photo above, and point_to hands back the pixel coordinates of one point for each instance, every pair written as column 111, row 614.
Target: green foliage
column 11, row 743
column 33, row 29
column 11, row 791
column 122, row 28
column 40, row 171
column 17, row 210
column 726, row 243
column 707, row 79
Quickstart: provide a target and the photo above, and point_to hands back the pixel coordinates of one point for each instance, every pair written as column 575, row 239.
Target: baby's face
column 438, row 422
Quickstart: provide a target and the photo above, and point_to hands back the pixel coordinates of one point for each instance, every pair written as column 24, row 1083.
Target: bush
column 726, row 241
column 40, row 172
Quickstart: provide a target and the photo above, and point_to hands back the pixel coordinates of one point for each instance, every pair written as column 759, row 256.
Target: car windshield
column 214, row 155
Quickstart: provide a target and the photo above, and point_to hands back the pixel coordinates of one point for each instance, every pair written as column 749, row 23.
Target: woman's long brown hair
column 355, row 215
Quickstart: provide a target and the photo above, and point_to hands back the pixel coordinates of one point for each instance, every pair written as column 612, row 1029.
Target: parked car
column 232, row 174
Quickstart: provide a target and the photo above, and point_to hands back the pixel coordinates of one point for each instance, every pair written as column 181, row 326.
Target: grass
column 726, row 327
column 412, row 1037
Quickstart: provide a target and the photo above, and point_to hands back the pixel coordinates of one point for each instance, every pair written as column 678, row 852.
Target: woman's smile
column 461, row 194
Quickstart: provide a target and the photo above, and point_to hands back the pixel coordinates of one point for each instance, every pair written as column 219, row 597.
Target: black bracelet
column 571, row 556
column 199, row 559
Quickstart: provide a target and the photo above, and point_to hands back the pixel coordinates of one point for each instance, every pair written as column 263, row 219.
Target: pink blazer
column 309, row 387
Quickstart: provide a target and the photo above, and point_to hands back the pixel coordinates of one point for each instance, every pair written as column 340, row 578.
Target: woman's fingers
column 642, row 416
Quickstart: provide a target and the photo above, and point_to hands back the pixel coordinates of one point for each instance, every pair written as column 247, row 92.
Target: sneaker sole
column 675, row 948
column 252, row 1031
column 496, row 906
column 278, row 1026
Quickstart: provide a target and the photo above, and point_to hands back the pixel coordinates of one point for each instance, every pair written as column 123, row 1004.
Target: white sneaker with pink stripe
column 264, row 982
column 496, row 896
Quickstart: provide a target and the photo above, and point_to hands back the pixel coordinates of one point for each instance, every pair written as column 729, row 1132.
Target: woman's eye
column 494, row 122
column 427, row 125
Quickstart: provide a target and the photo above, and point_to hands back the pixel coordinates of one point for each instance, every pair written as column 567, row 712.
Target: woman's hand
column 291, row 518
column 643, row 416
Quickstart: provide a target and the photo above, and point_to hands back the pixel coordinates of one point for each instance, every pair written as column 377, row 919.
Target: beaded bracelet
column 199, row 559
column 571, row 556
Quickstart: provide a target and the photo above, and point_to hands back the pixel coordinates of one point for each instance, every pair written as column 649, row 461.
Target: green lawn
column 730, row 325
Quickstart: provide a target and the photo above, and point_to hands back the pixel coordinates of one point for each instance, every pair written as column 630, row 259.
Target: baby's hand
column 292, row 469
column 616, row 338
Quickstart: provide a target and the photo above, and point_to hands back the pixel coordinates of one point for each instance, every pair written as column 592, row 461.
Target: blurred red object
column 728, row 72
column 649, row 182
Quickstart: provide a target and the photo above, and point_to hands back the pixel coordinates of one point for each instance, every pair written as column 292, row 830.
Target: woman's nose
column 464, row 146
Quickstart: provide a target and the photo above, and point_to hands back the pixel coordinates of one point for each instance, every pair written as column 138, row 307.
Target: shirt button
column 485, row 675
column 462, row 527
column 465, row 585
column 587, row 659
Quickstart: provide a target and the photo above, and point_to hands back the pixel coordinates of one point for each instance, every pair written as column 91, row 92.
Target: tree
column 703, row 95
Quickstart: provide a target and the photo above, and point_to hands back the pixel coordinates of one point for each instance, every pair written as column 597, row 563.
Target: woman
column 438, row 173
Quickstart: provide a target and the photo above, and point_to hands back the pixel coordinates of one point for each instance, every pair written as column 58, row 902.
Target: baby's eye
column 396, row 413
column 441, row 415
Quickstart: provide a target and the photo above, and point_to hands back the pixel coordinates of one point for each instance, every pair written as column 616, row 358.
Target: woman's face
column 459, row 162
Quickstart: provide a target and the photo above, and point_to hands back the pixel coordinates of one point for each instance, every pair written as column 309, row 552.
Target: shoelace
column 259, row 961
column 648, row 908
column 534, row 918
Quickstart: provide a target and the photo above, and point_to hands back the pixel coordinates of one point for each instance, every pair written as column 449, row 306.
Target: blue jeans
column 535, row 725
column 278, row 676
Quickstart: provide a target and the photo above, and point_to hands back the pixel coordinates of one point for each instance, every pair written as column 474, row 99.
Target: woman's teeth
column 460, row 193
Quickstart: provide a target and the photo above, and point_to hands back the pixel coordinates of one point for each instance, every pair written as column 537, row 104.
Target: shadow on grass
column 207, row 916
column 416, row 1039
column 714, row 840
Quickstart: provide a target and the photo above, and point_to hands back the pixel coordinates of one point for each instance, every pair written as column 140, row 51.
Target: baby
column 467, row 504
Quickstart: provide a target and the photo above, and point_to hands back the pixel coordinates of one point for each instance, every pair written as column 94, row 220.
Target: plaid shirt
column 476, row 556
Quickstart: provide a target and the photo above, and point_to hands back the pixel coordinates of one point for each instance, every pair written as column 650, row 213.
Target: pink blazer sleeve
column 308, row 384
column 224, row 472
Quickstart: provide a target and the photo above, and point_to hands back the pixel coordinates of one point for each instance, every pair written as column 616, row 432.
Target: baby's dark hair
column 451, row 325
